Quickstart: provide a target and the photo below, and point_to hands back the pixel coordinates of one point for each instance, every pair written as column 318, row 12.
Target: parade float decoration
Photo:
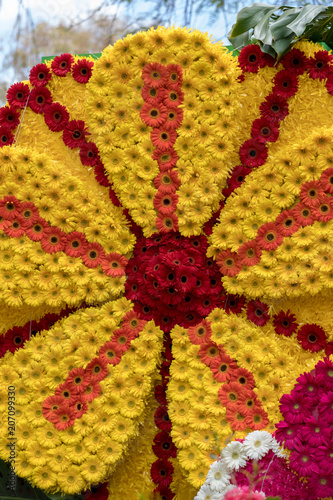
column 166, row 270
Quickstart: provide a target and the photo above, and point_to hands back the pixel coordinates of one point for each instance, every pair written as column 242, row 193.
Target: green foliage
column 277, row 29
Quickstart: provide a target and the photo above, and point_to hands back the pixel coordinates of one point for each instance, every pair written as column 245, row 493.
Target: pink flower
column 244, row 493
column 295, row 408
column 302, row 461
column 324, row 373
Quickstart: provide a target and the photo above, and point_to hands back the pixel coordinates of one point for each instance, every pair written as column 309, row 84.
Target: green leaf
column 249, row 17
column 308, row 14
column 240, row 41
column 268, row 49
column 281, row 46
column 262, row 32
column 279, row 27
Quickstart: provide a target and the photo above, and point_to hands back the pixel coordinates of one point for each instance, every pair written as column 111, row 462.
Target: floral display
column 166, row 272
column 252, row 468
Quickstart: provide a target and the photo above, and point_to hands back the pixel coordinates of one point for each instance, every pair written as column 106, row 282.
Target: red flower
column 93, row 255
column 62, row 64
column 167, row 182
column 256, row 420
column 164, row 493
column 230, row 393
column 74, row 134
column 174, row 75
column 40, row 75
column 91, row 392
column 208, row 352
column 285, row 83
column 324, row 374
column 228, row 263
column 274, row 108
column 123, row 337
column 324, row 211
column 63, row 418
column 268, row 236
column 37, row 230
column 40, row 97
column 326, row 180
column 249, row 253
column 152, row 94
column 163, row 446
column 89, row 154
column 165, row 203
column 285, row 323
column 154, row 115
column 329, row 84
column 111, row 352
column 6, row 137
column 173, row 119
column 97, row 369
column 14, row 228
column 56, row 116
column 76, row 244
column 257, row 312
column 132, row 322
column 9, row 207
column 53, row 240
column 162, row 138
column 15, row 338
column 166, row 223
column 236, row 415
column 173, row 98
column 29, row 213
column 264, row 131
column 320, row 65
column 99, row 492
column 286, row 223
column 114, row 264
column 51, row 404
column 250, row 58
column 161, row 472
column 162, row 420
column 237, row 177
column 67, row 392
column 78, row 380
column 233, row 303
column 310, row 193
column 165, row 159
column 201, row 333
column 101, row 174
column 80, row 406
column 222, row 367
column 82, row 70
column 154, row 75
column 18, row 94
column 312, row 337
column 304, row 215
column 9, row 117
column 253, row 153
column 295, row 61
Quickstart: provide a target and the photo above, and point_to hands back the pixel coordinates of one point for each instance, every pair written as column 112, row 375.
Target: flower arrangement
column 165, row 263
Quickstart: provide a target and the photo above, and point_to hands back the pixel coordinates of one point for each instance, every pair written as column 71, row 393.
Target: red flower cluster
column 236, row 394
column 307, row 428
column 82, row 384
column 163, row 447
column 171, row 281
column 15, row 337
column 163, row 95
column 23, row 218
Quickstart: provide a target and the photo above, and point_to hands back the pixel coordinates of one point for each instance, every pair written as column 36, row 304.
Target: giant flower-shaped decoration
column 165, row 256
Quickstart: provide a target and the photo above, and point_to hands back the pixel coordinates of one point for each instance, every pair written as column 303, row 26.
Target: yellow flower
column 71, row 480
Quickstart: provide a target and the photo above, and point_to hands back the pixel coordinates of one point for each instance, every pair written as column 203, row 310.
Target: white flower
column 218, row 476
column 206, row 493
column 276, row 447
column 234, row 456
column 257, row 444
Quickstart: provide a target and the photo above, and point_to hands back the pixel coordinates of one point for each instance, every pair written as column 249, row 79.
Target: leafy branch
column 277, row 29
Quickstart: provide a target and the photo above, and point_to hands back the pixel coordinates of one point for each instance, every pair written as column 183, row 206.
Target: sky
column 53, row 11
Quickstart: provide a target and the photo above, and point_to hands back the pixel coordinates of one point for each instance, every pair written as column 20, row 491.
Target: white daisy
column 276, row 447
column 206, row 493
column 257, row 444
column 218, row 476
column 234, row 455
